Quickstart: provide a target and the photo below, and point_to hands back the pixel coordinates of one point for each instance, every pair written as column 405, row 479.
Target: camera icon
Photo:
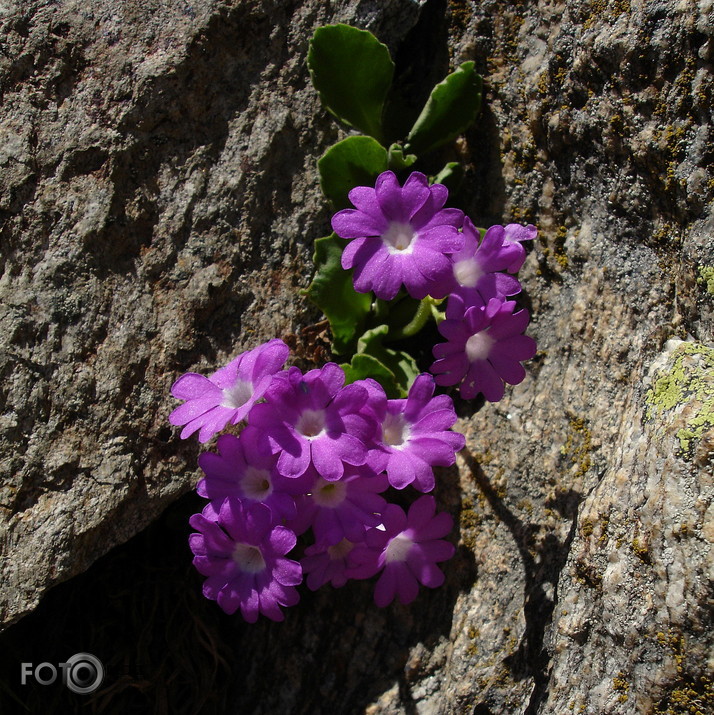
column 84, row 673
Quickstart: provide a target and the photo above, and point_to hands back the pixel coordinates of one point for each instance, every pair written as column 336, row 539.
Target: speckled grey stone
column 159, row 199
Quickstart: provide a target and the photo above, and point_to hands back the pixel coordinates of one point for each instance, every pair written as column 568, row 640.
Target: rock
column 159, row 199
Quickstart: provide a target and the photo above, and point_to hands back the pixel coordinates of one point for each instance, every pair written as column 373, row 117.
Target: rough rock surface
column 159, row 199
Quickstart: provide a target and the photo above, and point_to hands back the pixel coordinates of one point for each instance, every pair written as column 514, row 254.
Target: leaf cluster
column 353, row 74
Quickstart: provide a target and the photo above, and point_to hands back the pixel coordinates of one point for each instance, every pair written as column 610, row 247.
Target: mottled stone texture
column 159, row 199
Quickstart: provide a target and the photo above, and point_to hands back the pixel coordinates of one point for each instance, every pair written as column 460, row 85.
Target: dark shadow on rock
column 483, row 191
column 166, row 649
column 542, row 564
column 421, row 61
column 337, row 652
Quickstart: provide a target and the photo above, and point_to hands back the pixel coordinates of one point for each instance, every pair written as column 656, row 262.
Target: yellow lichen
column 578, row 446
column 689, row 380
column 706, row 276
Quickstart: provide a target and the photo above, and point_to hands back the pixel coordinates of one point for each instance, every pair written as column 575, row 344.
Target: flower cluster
column 402, row 236
column 321, row 458
column 317, row 455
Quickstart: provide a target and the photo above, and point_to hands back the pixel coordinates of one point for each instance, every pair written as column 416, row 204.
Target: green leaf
column 400, row 364
column 363, row 366
column 355, row 161
column 332, row 291
column 398, row 160
column 451, row 108
column 437, row 312
column 352, row 71
column 450, row 176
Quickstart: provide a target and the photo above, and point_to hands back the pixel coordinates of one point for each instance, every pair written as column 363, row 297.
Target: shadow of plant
column 542, row 563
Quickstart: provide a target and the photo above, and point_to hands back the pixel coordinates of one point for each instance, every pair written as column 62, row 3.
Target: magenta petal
column 351, row 397
column 250, row 607
column 432, row 451
column 192, row 409
column 509, row 370
column 385, row 276
column 437, row 549
column 420, row 393
column 369, row 261
column 332, row 376
column 453, row 330
column 364, row 198
column 506, row 326
column 352, row 249
column 490, row 384
column 229, row 600
column 444, row 350
column 352, row 223
column 269, row 358
column 327, row 462
column 433, row 265
column 386, row 588
column 407, row 585
column 394, row 519
column 417, row 286
column 429, row 574
column 400, row 470
column 282, row 540
column 423, row 475
column 269, row 607
column 447, row 217
column 294, row 464
column 192, row 386
column 450, row 370
column 287, row 572
column 437, row 528
column 420, row 512
column 437, row 421
column 517, row 347
column 212, row 585
column 415, row 194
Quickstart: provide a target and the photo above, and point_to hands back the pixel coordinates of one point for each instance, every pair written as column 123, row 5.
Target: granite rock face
column 159, row 198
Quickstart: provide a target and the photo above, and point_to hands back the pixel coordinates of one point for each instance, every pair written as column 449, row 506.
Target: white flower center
column 478, row 346
column 256, row 484
column 236, row 396
column 399, row 237
column 340, row 550
column 467, row 272
column 398, row 548
column 249, row 558
column 329, row 494
column 311, row 423
column 395, row 430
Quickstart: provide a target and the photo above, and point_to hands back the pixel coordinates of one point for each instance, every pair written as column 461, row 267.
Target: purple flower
column 484, row 349
column 241, row 470
column 323, row 564
column 407, row 547
column 415, row 436
column 514, row 235
column 479, row 264
column 312, row 419
column 341, row 509
column 400, row 235
column 227, row 395
column 242, row 554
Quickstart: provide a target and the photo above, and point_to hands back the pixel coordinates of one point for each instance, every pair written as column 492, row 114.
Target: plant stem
column 381, row 309
column 419, row 320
